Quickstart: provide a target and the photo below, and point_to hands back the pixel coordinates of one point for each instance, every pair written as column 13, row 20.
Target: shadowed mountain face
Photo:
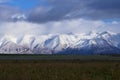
column 92, row 43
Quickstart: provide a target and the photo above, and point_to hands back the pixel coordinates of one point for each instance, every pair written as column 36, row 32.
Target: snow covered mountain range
column 91, row 43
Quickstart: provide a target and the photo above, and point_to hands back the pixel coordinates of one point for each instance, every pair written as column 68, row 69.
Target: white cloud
column 66, row 26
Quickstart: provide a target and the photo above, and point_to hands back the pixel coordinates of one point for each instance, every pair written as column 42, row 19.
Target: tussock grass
column 59, row 70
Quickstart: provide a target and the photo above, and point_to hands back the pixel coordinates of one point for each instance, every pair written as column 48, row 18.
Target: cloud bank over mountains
column 65, row 26
column 59, row 16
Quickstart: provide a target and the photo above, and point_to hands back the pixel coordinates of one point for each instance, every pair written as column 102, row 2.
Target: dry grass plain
column 59, row 70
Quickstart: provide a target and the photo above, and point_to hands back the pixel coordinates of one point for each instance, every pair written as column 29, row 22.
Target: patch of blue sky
column 26, row 4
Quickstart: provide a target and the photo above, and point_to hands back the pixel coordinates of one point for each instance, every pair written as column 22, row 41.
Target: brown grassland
column 59, row 70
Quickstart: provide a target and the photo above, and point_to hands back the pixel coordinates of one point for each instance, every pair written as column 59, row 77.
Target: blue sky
column 26, row 4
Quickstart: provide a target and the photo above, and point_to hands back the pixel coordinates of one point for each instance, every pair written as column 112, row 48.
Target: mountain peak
column 70, row 33
column 107, row 32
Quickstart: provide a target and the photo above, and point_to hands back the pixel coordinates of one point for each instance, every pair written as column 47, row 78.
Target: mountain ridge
column 90, row 43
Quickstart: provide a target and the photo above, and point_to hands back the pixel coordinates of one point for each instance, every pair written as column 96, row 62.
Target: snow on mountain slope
column 102, row 43
column 58, row 42
column 111, row 38
column 12, row 48
column 91, row 43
